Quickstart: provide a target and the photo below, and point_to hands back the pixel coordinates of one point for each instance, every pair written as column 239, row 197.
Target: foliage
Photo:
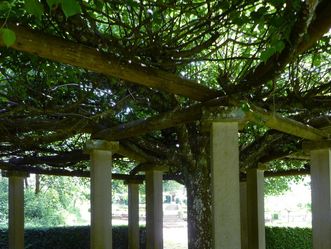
column 69, row 238
column 278, row 185
column 8, row 36
column 43, row 209
column 169, row 186
column 78, row 237
column 288, row 238
column 57, row 197
column 3, row 201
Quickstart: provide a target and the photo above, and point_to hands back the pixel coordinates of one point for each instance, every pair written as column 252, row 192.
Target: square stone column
column 101, row 187
column 225, row 185
column 255, row 208
column 243, row 215
column 321, row 197
column 154, row 211
column 133, row 202
column 16, row 208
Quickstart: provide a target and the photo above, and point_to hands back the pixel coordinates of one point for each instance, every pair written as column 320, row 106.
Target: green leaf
column 8, row 36
column 4, row 5
column 51, row 3
column 99, row 4
column 133, row 4
column 279, row 45
column 70, row 7
column 266, row 54
column 34, row 8
column 277, row 3
column 245, row 106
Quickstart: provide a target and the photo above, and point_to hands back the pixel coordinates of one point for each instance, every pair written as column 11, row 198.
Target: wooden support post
column 101, row 198
column 321, row 197
column 243, row 215
column 255, row 208
column 225, row 185
column 133, row 202
column 16, row 208
column 154, row 212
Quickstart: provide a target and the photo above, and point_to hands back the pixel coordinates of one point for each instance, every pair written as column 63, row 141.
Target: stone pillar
column 255, row 208
column 321, row 197
column 101, row 199
column 133, row 202
column 154, row 212
column 225, row 185
column 243, row 215
column 16, row 208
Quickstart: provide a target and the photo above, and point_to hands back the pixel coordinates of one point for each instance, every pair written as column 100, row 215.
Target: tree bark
column 198, row 180
column 37, row 186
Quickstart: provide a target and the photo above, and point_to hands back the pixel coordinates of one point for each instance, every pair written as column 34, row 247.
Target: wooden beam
column 289, row 172
column 284, row 124
column 68, row 52
column 149, row 166
column 62, row 172
column 142, row 126
column 159, row 122
column 8, row 167
column 281, row 173
column 196, row 112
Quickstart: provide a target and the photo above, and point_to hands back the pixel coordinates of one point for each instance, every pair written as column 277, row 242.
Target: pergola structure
column 121, row 80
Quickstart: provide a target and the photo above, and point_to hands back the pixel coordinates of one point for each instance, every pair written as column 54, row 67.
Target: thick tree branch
column 318, row 27
column 268, row 70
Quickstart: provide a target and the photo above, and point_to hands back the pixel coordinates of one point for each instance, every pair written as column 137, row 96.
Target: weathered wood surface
column 68, row 52
column 284, row 124
column 193, row 113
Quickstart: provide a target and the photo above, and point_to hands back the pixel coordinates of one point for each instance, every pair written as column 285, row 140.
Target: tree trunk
column 26, row 182
column 198, row 184
column 37, row 186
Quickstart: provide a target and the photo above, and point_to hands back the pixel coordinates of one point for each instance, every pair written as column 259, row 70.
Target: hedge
column 288, row 238
column 78, row 238
column 68, row 238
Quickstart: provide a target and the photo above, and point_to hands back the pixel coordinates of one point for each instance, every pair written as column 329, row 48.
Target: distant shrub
column 79, row 238
column 288, row 238
column 68, row 238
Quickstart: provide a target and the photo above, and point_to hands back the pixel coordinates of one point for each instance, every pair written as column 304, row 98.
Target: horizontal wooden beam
column 316, row 145
column 281, row 173
column 72, row 53
column 284, row 124
column 142, row 126
column 147, row 167
column 7, row 167
column 288, row 172
column 159, row 122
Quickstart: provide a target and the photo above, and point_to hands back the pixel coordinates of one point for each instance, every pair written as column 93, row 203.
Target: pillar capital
column 9, row 173
column 223, row 114
column 104, row 145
